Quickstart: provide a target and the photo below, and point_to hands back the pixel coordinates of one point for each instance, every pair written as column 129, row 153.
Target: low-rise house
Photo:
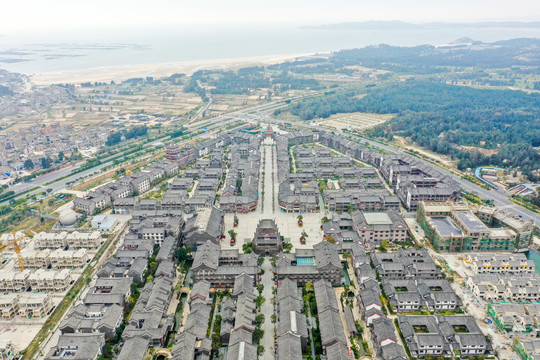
column 238, row 203
column 507, row 288
column 221, row 267
column 527, row 349
column 34, row 305
column 50, row 281
column 414, row 295
column 92, row 319
column 406, row 264
column 183, row 183
column 309, row 265
column 330, row 324
column 109, row 291
column 9, row 306
column 77, row 347
column 383, row 333
column 510, row 264
column 206, row 225
column 149, row 319
column 134, row 349
column 440, row 335
column 14, row 282
column 516, row 319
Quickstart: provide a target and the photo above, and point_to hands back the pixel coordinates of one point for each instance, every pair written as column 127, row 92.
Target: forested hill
column 431, row 59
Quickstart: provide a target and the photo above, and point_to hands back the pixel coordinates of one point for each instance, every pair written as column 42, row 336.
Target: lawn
column 420, row 329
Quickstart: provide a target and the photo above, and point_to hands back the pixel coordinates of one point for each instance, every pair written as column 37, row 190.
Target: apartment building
column 372, row 227
column 455, row 227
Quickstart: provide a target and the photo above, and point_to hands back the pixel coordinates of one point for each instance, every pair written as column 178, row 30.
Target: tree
column 287, row 247
column 28, row 164
column 309, row 286
column 259, row 319
column 107, row 350
column 258, row 335
column 260, row 288
column 260, row 300
column 247, row 248
column 182, row 254
column 46, row 162
column 232, row 234
column 61, row 156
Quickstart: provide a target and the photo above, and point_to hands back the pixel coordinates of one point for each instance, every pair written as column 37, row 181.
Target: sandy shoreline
column 124, row 72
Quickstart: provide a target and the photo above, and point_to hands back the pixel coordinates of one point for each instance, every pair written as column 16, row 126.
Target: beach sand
column 118, row 73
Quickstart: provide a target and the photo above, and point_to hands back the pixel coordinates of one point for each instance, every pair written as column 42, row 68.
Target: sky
column 42, row 15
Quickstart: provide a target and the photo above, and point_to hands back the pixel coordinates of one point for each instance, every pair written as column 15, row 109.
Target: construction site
column 37, row 270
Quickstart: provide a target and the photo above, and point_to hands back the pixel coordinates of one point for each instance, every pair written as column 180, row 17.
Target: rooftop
column 446, row 226
column 378, row 218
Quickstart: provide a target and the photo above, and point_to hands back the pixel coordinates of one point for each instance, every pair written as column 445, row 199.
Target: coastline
column 123, row 72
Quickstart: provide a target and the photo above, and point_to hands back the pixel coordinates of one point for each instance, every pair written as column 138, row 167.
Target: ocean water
column 42, row 52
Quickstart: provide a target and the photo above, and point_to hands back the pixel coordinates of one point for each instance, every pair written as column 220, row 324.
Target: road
column 207, row 105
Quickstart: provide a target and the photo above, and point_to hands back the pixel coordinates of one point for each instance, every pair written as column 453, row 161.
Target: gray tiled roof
column 134, row 349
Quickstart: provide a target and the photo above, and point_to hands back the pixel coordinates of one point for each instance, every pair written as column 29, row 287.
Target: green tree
column 28, row 164
column 260, row 300
column 259, row 320
column 46, row 162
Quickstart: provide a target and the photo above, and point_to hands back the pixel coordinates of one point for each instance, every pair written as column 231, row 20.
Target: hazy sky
column 34, row 15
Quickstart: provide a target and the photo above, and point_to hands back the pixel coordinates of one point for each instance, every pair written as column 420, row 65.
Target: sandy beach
column 116, row 73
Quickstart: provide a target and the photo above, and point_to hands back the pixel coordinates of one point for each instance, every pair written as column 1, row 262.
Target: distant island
column 400, row 25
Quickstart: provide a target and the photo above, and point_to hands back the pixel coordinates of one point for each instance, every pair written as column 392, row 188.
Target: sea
column 54, row 51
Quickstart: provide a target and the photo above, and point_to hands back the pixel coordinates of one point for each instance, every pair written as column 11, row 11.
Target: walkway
column 267, row 279
column 267, row 309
